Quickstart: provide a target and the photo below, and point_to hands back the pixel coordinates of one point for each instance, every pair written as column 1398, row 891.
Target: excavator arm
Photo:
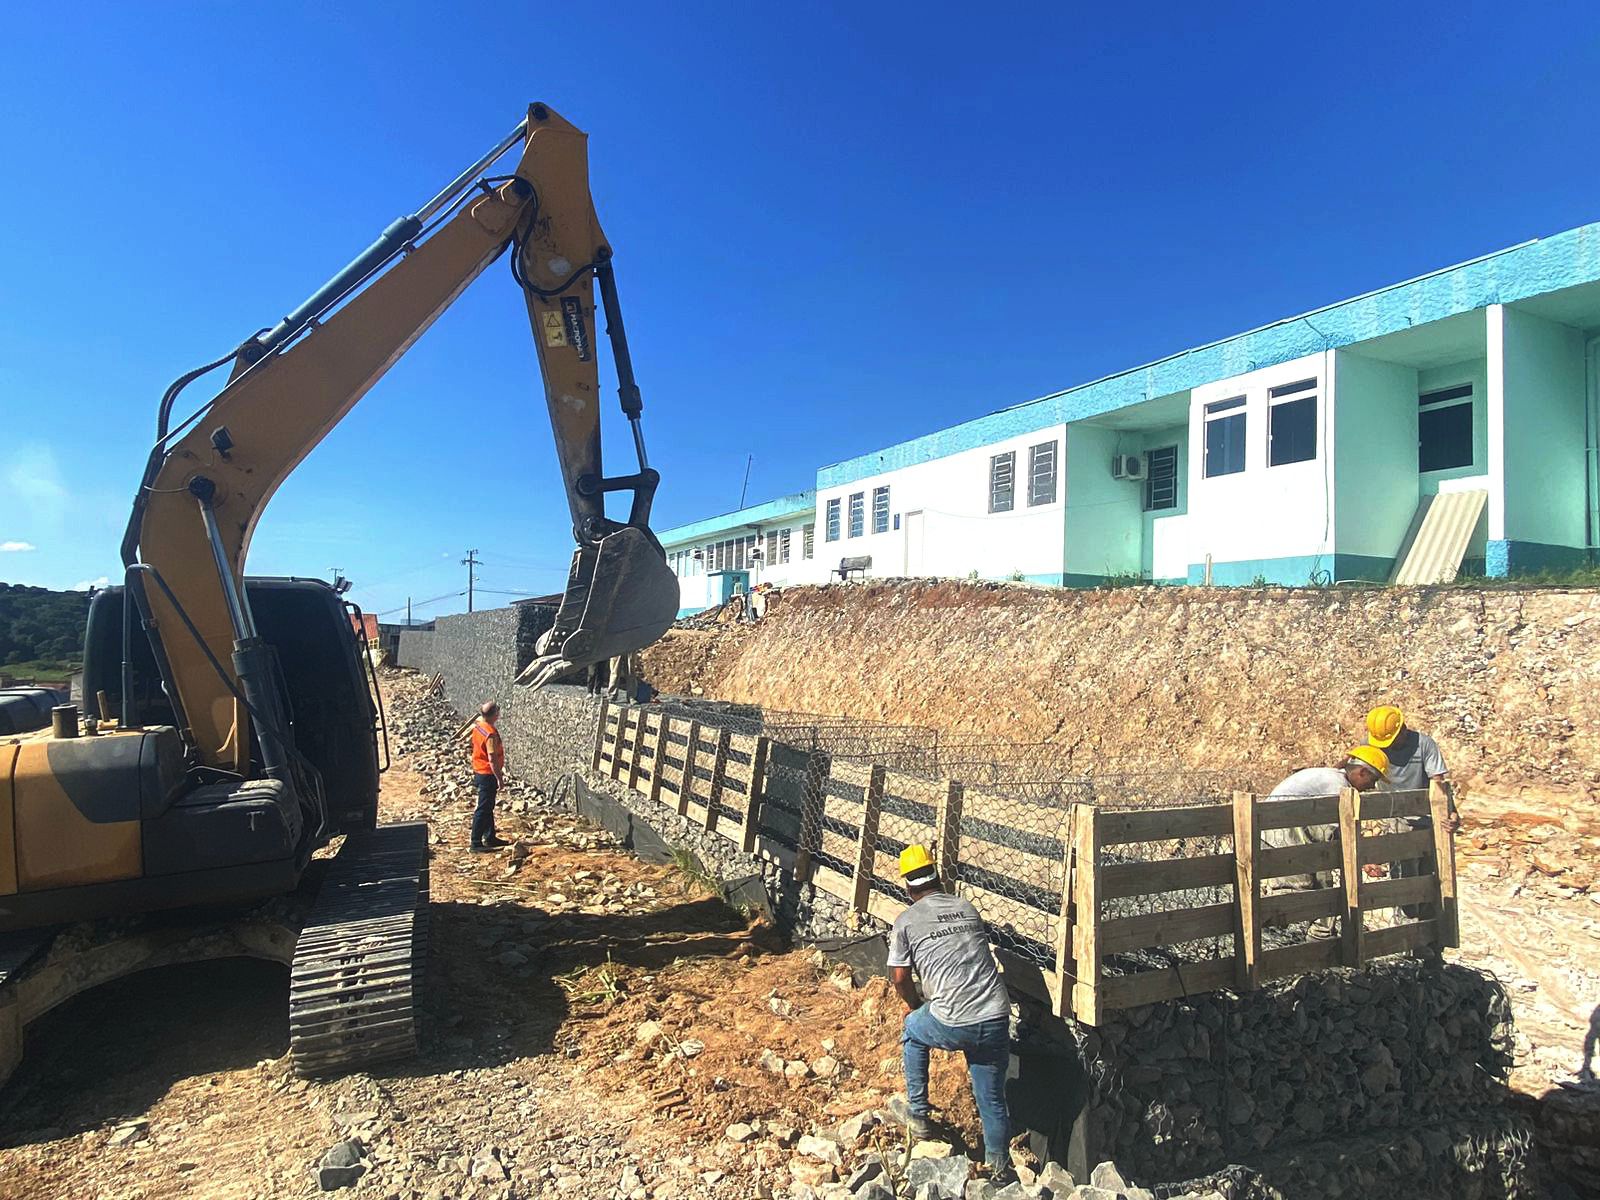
column 209, row 478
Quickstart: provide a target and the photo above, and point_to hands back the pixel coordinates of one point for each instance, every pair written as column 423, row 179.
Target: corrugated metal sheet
column 1438, row 538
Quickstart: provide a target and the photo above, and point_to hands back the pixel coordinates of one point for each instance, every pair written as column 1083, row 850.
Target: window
column 897, row 520
column 771, row 548
column 1444, row 429
column 1161, row 478
column 808, row 540
column 858, row 513
column 1042, row 474
column 1292, row 423
column 783, row 544
column 880, row 510
column 1224, row 420
column 832, row 532
column 1002, row 473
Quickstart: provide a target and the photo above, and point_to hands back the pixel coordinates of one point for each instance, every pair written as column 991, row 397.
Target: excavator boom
column 210, row 477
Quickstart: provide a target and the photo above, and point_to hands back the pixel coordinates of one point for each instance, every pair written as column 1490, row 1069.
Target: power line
column 419, row 604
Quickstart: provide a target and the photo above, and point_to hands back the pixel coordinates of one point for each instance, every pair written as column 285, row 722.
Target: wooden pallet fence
column 1060, row 879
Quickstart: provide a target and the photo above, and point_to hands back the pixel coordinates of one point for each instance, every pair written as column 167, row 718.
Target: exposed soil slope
column 1253, row 681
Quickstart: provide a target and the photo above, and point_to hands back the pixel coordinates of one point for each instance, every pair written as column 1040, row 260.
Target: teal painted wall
column 1104, row 524
column 1374, row 425
column 1544, row 463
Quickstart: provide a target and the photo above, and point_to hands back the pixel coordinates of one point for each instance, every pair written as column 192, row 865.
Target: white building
column 773, row 542
column 1450, row 420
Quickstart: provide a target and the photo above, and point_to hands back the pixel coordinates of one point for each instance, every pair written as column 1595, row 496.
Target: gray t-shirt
column 1414, row 758
column 943, row 937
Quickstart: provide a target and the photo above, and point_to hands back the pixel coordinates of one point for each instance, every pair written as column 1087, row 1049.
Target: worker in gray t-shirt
column 944, row 939
column 1414, row 762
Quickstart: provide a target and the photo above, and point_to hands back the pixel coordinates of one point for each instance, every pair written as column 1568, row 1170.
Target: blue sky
column 836, row 227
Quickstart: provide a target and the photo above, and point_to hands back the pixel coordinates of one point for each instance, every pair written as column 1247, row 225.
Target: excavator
column 228, row 730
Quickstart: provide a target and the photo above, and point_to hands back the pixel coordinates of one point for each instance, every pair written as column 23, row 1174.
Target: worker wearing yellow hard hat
column 944, row 940
column 1361, row 768
column 1415, row 761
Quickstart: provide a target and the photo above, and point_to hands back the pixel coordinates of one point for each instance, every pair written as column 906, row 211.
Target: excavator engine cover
column 620, row 597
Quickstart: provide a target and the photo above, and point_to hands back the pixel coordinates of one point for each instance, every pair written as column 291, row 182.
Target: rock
column 1056, row 1179
column 512, row 958
column 854, row 1127
column 980, row 1189
column 931, row 1149
column 876, row 1190
column 1090, row 1192
column 1107, row 1176
column 946, row 1175
column 740, row 1132
column 780, row 1006
column 648, row 1032
column 128, row 1134
column 1012, row 1191
column 820, row 1148
column 486, row 1164
column 825, row 1067
column 340, row 1166
column 870, row 1167
column 812, row 1172
column 771, row 1062
column 796, row 1069
column 690, row 1047
column 711, row 1177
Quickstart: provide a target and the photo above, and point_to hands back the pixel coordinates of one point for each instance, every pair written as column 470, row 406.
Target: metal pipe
column 390, row 242
column 130, row 716
column 464, row 180
column 244, row 626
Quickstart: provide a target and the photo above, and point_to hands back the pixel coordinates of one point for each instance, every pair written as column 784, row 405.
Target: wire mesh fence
column 1105, row 890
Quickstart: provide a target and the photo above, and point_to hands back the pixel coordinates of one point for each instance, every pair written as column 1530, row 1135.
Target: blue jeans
column 483, row 815
column 987, row 1046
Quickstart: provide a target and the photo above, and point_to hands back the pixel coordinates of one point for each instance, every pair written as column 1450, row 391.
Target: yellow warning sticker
column 555, row 329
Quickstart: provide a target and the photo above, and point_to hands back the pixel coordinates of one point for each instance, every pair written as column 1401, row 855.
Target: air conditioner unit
column 1127, row 466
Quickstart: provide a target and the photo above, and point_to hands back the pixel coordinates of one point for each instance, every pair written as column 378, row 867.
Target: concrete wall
column 1375, row 461
column 1536, row 431
column 1104, row 517
column 1275, row 522
column 958, row 534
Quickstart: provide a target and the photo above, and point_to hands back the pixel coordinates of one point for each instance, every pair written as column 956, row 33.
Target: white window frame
column 834, row 526
column 1456, row 395
column 1294, row 393
column 1222, row 410
column 808, row 540
column 1150, row 478
column 856, row 524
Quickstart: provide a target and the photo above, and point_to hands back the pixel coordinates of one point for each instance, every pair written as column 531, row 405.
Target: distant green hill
column 41, row 631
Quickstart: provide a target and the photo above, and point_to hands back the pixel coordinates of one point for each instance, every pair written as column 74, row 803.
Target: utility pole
column 471, row 563
column 746, row 485
column 408, row 612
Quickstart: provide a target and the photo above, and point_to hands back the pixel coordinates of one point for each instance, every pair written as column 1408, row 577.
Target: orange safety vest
column 488, row 751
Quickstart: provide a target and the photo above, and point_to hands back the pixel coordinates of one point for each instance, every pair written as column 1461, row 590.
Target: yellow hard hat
column 1371, row 756
column 916, row 865
column 1384, row 724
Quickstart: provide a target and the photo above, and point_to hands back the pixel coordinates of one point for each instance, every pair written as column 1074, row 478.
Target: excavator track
column 353, row 986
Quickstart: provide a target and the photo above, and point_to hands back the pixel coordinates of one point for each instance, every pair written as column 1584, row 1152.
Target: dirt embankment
column 1252, row 681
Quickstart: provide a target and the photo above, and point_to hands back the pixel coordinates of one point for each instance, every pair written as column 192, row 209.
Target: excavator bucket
column 621, row 596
